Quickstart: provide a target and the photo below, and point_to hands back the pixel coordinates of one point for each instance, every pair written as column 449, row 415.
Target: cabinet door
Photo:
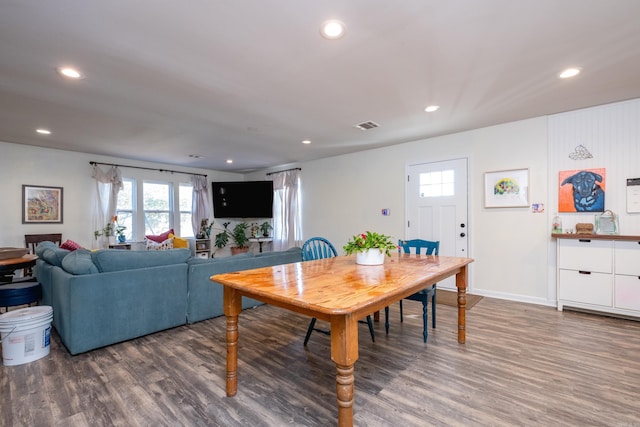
column 591, row 288
column 627, row 258
column 586, row 255
column 627, row 292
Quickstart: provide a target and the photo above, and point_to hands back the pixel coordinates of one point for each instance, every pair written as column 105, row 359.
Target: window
column 185, row 196
column 437, row 184
column 125, row 207
column 156, row 206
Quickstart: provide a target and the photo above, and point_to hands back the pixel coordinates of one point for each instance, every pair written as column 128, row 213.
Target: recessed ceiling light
column 229, row 161
column 306, row 141
column 569, row 72
column 332, row 29
column 432, row 108
column 44, row 131
column 72, row 73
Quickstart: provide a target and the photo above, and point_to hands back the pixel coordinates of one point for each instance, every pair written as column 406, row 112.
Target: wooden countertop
column 576, row 236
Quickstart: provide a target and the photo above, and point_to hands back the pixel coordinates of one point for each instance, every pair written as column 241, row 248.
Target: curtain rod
column 286, row 170
column 149, row 169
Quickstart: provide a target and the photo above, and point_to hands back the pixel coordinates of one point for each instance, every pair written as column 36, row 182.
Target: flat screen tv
column 242, row 199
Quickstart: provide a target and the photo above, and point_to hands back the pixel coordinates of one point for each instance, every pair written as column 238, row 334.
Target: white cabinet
column 600, row 273
column 627, row 277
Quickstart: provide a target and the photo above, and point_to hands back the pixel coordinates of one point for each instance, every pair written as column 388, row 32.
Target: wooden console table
column 340, row 292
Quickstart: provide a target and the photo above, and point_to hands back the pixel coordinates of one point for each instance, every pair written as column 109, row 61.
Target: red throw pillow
column 161, row 237
column 70, row 245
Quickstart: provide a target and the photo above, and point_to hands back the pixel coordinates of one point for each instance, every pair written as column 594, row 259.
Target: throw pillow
column 70, row 245
column 160, row 237
column 155, row 246
column 179, row 242
column 79, row 262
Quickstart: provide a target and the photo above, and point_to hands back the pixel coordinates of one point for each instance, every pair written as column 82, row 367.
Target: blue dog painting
column 587, row 191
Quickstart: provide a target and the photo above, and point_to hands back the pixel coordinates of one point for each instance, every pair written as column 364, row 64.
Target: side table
column 19, row 294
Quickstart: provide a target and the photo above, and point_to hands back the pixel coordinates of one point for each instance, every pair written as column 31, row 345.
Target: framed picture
column 582, row 190
column 41, row 204
column 506, row 189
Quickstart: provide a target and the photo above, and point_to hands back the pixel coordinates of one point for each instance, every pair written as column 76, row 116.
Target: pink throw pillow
column 161, row 237
column 70, row 245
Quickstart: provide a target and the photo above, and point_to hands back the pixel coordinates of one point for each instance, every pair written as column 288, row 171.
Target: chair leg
column 370, row 323
column 425, row 323
column 309, row 330
column 386, row 319
column 433, row 310
column 401, row 316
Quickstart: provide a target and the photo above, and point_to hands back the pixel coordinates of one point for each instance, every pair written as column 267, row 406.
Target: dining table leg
column 232, row 308
column 344, row 353
column 461, row 285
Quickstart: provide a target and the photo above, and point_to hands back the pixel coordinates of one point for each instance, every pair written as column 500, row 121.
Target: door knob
column 462, row 234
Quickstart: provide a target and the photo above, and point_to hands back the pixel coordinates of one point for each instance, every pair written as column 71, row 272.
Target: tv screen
column 243, row 199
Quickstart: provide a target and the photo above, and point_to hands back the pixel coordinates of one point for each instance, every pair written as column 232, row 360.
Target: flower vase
column 370, row 257
column 122, row 239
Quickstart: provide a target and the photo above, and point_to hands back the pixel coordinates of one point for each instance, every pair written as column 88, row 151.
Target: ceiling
column 248, row 80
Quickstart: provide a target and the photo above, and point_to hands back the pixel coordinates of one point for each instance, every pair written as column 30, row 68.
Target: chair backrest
column 32, row 240
column 318, row 248
column 430, row 248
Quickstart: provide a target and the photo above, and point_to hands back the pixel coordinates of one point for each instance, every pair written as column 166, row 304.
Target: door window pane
column 437, row 183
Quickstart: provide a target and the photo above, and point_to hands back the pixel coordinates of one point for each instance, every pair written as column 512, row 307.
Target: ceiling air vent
column 367, row 125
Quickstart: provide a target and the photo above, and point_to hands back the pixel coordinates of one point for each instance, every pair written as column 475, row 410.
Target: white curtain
column 108, row 184
column 287, row 212
column 201, row 205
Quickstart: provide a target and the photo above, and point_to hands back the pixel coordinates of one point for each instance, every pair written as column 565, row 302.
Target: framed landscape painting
column 41, row 204
column 506, row 189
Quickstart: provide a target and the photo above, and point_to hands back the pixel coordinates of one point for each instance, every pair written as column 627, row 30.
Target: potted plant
column 238, row 235
column 264, row 228
column 370, row 247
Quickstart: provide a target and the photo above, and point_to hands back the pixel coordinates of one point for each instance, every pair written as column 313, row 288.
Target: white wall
column 21, row 164
column 344, row 195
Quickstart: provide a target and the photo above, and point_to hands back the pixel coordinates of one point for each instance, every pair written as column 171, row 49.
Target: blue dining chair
column 429, row 248
column 319, row 248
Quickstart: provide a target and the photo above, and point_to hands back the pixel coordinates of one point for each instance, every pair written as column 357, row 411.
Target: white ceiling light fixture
column 332, row 29
column 43, row 131
column 432, row 108
column 229, row 161
column 70, row 72
column 306, row 141
column 570, row 72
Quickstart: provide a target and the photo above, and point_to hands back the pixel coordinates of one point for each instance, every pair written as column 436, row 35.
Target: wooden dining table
column 341, row 292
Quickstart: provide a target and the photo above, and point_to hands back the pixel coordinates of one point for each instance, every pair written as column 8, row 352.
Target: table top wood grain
column 336, row 286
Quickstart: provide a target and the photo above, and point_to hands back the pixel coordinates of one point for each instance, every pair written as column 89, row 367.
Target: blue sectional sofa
column 108, row 296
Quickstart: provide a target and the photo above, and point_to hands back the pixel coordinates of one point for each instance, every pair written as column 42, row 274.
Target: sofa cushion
column 163, row 246
column 70, row 245
column 160, row 237
column 53, row 255
column 40, row 247
column 179, row 242
column 108, row 260
column 79, row 262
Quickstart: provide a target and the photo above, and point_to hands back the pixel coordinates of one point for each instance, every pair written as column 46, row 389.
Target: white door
column 437, row 207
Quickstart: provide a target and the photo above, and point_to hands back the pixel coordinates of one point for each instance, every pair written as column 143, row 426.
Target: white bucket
column 26, row 334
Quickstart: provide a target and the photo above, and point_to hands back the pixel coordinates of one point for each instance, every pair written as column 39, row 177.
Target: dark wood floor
column 523, row 365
